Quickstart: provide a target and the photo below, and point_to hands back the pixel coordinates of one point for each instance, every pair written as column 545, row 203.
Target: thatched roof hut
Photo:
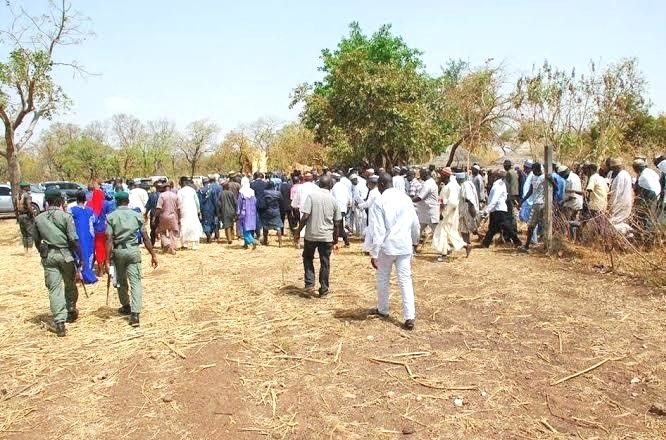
column 461, row 159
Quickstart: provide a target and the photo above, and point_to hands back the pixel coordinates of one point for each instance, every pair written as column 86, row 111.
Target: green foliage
column 372, row 104
column 589, row 116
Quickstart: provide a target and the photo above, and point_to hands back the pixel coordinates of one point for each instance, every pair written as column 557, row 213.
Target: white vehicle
column 7, row 206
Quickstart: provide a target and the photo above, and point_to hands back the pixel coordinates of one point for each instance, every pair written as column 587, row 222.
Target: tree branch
column 28, row 133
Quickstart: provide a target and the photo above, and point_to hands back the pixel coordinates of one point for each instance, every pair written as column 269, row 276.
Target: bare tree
column 130, row 138
column 263, row 133
column 28, row 92
column 162, row 140
column 199, row 140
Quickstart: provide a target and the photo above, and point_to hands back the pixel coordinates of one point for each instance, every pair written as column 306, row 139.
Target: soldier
column 55, row 236
column 122, row 245
column 25, row 216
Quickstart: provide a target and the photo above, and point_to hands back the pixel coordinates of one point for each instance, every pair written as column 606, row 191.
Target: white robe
column 359, row 222
column 621, row 198
column 447, row 230
column 190, row 226
column 368, row 204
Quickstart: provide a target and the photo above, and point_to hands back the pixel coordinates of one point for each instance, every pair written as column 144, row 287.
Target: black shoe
column 124, row 310
column 72, row 315
column 60, row 329
column 376, row 312
column 134, row 319
column 323, row 294
column 409, row 324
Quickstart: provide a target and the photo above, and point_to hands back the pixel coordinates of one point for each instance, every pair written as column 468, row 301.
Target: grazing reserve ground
column 228, row 349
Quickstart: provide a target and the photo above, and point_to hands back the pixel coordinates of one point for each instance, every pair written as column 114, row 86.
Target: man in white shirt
column 340, row 193
column 399, row 181
column 304, row 190
column 138, row 198
column 373, row 194
column 427, row 203
column 360, row 194
column 621, row 198
column 395, row 233
column 573, row 198
column 499, row 216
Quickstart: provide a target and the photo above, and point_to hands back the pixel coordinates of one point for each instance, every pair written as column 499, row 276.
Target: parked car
column 69, row 189
column 7, row 206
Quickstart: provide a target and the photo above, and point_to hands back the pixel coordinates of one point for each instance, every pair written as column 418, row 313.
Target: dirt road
column 227, row 349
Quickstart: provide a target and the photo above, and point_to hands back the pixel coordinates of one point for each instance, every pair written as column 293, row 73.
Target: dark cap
column 52, row 192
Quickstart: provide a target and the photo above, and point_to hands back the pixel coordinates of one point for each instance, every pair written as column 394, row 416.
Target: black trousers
column 342, row 231
column 500, row 221
column 324, row 250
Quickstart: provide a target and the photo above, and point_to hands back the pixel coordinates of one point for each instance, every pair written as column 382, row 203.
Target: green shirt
column 55, row 228
column 122, row 225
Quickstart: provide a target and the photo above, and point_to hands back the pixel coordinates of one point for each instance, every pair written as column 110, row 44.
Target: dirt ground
column 228, row 349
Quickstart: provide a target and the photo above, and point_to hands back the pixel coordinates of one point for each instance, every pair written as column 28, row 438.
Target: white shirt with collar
column 497, row 197
column 394, row 225
column 138, row 198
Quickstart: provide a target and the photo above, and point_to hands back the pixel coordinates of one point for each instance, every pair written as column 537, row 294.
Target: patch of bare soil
column 505, row 346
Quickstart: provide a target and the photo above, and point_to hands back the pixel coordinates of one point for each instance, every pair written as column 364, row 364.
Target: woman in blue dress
column 247, row 214
column 83, row 221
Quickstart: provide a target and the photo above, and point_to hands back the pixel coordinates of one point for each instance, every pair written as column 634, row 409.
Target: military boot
column 124, row 310
column 72, row 315
column 134, row 320
column 60, row 329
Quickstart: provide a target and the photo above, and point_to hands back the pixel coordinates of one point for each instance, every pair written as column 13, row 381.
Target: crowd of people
column 395, row 212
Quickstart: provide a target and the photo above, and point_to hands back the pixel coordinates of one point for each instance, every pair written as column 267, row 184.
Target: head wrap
column 640, row 163
column 476, row 167
column 501, row 173
column 461, row 176
column 616, row 162
column 528, row 163
column 446, row 171
column 373, row 179
column 562, row 168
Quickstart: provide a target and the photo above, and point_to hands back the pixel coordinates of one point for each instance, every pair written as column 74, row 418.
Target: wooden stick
column 387, row 361
column 337, row 353
column 545, row 423
column 414, row 353
column 299, row 358
column 175, row 350
column 559, row 339
column 587, row 370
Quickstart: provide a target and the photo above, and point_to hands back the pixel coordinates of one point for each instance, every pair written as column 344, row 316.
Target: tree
column 586, row 116
column 263, row 132
column 130, row 138
column 473, row 108
column 295, row 144
column 373, row 104
column 28, row 92
column 236, row 152
column 198, row 140
column 50, row 145
column 162, row 140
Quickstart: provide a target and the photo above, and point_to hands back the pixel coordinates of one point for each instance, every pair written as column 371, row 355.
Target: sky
column 236, row 61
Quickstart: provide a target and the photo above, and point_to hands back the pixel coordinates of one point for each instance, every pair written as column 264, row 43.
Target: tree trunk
column 194, row 166
column 452, row 153
column 14, row 174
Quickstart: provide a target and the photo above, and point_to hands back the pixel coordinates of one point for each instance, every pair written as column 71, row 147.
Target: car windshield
column 36, row 188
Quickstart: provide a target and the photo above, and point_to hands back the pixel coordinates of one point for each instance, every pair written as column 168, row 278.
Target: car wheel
column 35, row 209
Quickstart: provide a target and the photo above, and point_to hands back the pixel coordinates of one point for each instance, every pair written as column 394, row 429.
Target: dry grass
column 227, row 349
